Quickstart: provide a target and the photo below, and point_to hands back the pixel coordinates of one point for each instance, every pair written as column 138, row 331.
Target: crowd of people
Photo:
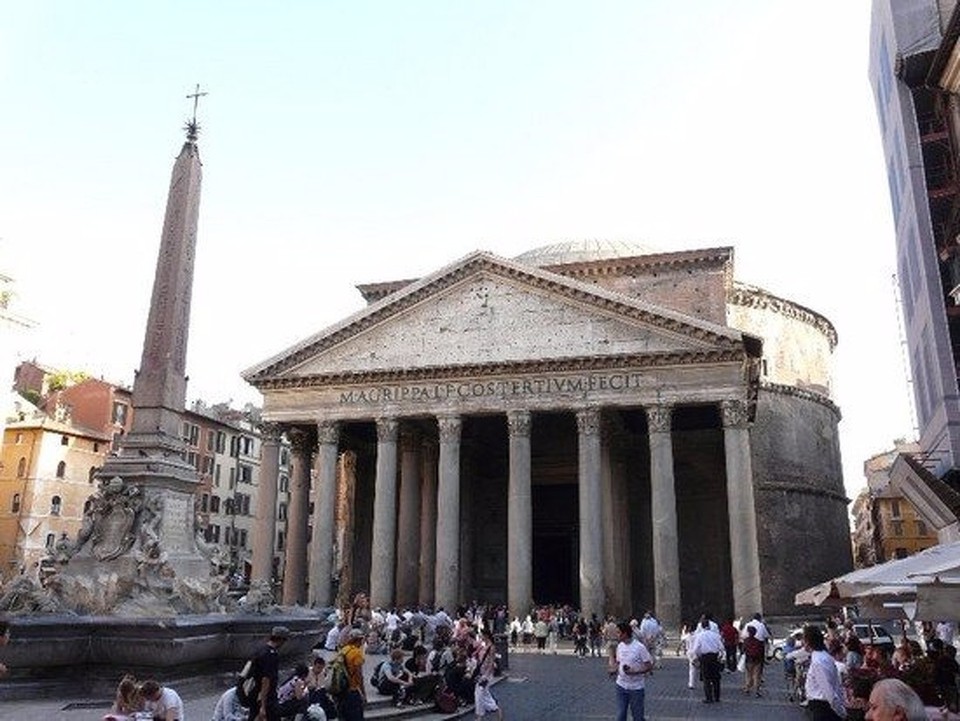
column 830, row 670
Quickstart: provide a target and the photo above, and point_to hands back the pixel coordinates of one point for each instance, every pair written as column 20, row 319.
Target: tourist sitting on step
column 293, row 694
column 425, row 681
column 393, row 678
column 317, row 686
column 127, row 701
column 459, row 678
column 162, row 701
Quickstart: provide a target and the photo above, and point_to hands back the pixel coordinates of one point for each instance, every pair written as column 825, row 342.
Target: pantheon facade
column 588, row 423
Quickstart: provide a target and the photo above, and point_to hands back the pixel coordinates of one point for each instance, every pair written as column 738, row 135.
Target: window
column 896, row 528
column 228, row 506
column 119, row 415
column 921, row 528
column 19, row 438
column 245, row 473
column 310, row 509
column 284, row 483
column 15, row 504
column 221, row 441
column 96, row 447
column 246, row 445
column 22, row 468
column 895, row 508
column 204, row 502
column 92, row 473
column 55, row 504
column 215, row 504
column 206, row 465
column 87, row 505
column 280, row 540
column 243, row 538
column 51, row 539
column 61, row 469
column 214, row 533
column 64, row 440
column 284, row 457
column 233, row 477
column 900, row 553
column 190, row 434
column 211, row 440
column 282, row 512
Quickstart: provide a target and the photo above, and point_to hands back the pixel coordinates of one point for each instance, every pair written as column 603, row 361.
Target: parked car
column 776, row 647
column 873, row 634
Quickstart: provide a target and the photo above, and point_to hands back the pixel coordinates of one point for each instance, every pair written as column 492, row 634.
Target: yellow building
column 47, row 472
column 886, row 524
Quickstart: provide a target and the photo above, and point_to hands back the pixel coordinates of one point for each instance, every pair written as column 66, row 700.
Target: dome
column 582, row 251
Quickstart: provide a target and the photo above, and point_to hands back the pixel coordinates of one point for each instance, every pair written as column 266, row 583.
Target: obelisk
column 154, row 495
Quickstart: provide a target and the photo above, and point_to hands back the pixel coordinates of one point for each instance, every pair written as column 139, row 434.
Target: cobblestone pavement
column 537, row 688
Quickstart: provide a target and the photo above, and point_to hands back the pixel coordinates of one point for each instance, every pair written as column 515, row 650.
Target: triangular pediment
column 487, row 310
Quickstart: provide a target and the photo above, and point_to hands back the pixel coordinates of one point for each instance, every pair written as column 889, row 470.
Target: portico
column 520, row 434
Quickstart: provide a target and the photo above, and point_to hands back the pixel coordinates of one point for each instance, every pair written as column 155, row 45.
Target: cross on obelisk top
column 192, row 126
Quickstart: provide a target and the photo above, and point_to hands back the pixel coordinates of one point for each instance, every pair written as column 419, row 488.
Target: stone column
column 519, row 517
column 320, row 589
column 295, row 566
column 616, row 522
column 408, row 525
column 383, row 553
column 591, row 513
column 448, row 513
column 744, row 556
column 428, row 524
column 663, row 503
column 265, row 532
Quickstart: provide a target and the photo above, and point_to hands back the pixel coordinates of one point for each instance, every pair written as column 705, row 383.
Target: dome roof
column 582, row 251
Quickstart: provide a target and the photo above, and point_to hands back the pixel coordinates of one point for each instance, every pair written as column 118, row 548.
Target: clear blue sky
column 346, row 143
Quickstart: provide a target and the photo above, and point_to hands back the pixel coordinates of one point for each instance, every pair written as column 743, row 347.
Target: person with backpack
column 350, row 693
column 257, row 686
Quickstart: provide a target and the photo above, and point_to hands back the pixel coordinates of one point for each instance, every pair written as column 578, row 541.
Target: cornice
column 807, row 490
column 807, row 395
column 580, row 363
column 685, row 259
column 607, row 301
column 753, row 297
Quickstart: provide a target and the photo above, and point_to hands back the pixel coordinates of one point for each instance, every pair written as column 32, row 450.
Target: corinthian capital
column 328, row 432
column 658, row 418
column 734, row 414
column 518, row 423
column 449, row 427
column 387, row 430
column 270, row 432
column 588, row 421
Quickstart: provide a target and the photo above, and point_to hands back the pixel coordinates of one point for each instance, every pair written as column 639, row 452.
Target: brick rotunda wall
column 802, row 524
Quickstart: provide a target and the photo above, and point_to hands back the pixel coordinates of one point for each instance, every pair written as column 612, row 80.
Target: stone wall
column 797, row 343
column 802, row 527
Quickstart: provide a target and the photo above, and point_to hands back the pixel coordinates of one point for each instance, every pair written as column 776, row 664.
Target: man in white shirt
column 708, row 648
column 946, row 630
column 164, row 703
column 763, row 634
column 633, row 661
column 823, row 690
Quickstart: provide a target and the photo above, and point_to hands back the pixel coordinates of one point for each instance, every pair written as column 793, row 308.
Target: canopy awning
column 924, row 586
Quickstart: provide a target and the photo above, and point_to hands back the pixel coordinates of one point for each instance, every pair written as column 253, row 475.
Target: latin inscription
column 501, row 389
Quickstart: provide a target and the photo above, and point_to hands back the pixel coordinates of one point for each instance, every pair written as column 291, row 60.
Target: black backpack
column 248, row 686
column 377, row 676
